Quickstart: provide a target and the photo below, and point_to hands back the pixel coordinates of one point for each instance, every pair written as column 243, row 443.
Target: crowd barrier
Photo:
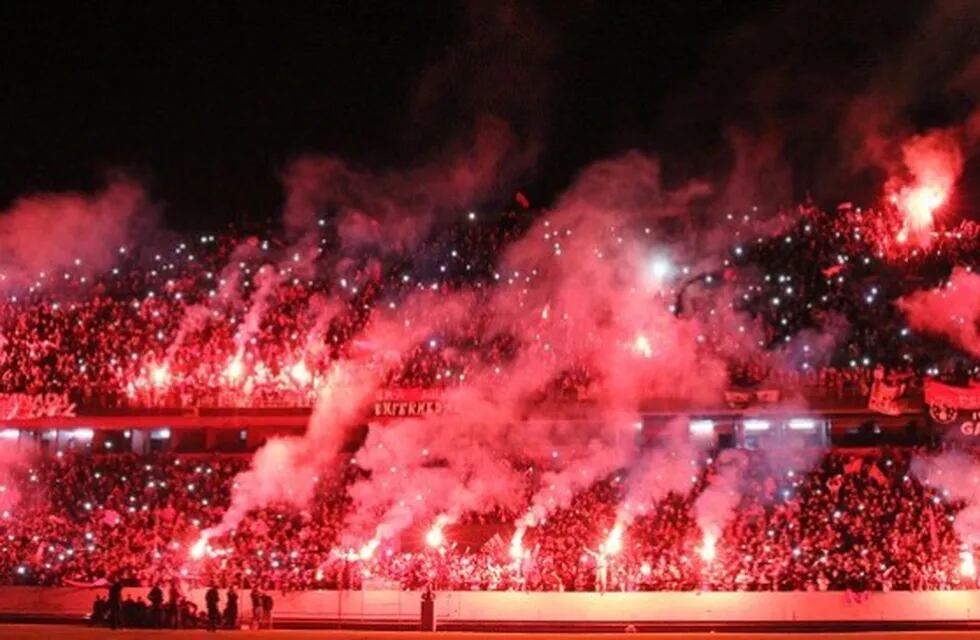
column 468, row 606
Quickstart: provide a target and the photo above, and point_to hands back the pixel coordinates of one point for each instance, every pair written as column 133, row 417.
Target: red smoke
column 46, row 232
column 955, row 472
column 952, row 312
column 932, row 163
column 574, row 292
column 393, row 210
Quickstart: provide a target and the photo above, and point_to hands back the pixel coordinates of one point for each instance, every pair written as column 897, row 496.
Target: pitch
column 45, row 632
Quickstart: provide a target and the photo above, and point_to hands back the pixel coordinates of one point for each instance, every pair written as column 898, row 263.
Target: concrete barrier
column 466, row 606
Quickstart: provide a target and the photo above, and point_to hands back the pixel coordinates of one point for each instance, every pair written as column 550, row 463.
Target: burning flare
column 641, row 345
column 435, row 538
column 367, row 551
column 517, row 544
column 199, row 548
column 707, row 550
column 614, row 543
column 300, row 373
column 967, row 567
column 932, row 163
column 918, row 204
column 235, row 369
column 160, row 375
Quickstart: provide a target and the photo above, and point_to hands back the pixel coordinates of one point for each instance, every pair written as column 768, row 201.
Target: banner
column 969, row 425
column 743, row 399
column 23, row 406
column 407, row 403
column 945, row 401
column 80, row 584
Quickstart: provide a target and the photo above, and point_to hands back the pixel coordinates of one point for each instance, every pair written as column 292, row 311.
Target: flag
column 854, row 466
column 495, row 547
column 834, row 485
column 884, row 398
column 877, row 475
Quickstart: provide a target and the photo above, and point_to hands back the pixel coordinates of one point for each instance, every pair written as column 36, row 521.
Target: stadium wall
column 464, row 606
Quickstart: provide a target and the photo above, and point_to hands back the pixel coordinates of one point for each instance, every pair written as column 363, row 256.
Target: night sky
column 207, row 104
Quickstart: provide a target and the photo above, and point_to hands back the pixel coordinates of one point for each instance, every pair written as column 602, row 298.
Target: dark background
column 208, row 103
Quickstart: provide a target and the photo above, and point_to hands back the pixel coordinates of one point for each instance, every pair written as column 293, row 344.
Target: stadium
column 420, row 400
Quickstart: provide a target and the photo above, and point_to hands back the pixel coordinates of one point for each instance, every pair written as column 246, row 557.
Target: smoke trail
column 574, row 294
column 581, row 457
column 447, row 476
column 667, row 465
column 226, row 295
column 266, row 279
column 715, row 505
column 288, row 469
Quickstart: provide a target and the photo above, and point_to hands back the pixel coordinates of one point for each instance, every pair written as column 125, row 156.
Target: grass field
column 57, row 632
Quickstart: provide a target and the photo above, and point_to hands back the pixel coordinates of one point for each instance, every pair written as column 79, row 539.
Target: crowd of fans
column 856, row 520
column 218, row 321
column 845, row 269
column 228, row 320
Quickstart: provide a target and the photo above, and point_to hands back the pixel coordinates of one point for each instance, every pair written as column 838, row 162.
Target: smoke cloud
column 715, row 505
column 951, row 312
column 392, row 211
column 955, row 473
column 48, row 232
column 574, row 294
column 668, row 465
column 12, row 461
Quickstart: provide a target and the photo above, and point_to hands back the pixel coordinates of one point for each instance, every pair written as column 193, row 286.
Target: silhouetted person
column 267, row 610
column 156, row 606
column 231, row 609
column 173, row 606
column 211, row 598
column 130, row 615
column 188, row 614
column 256, row 597
column 99, row 608
column 115, row 603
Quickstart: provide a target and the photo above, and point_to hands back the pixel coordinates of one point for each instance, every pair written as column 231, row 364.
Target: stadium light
column 83, row 434
column 9, row 434
column 802, row 424
column 756, row 425
column 702, row 428
column 160, row 434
